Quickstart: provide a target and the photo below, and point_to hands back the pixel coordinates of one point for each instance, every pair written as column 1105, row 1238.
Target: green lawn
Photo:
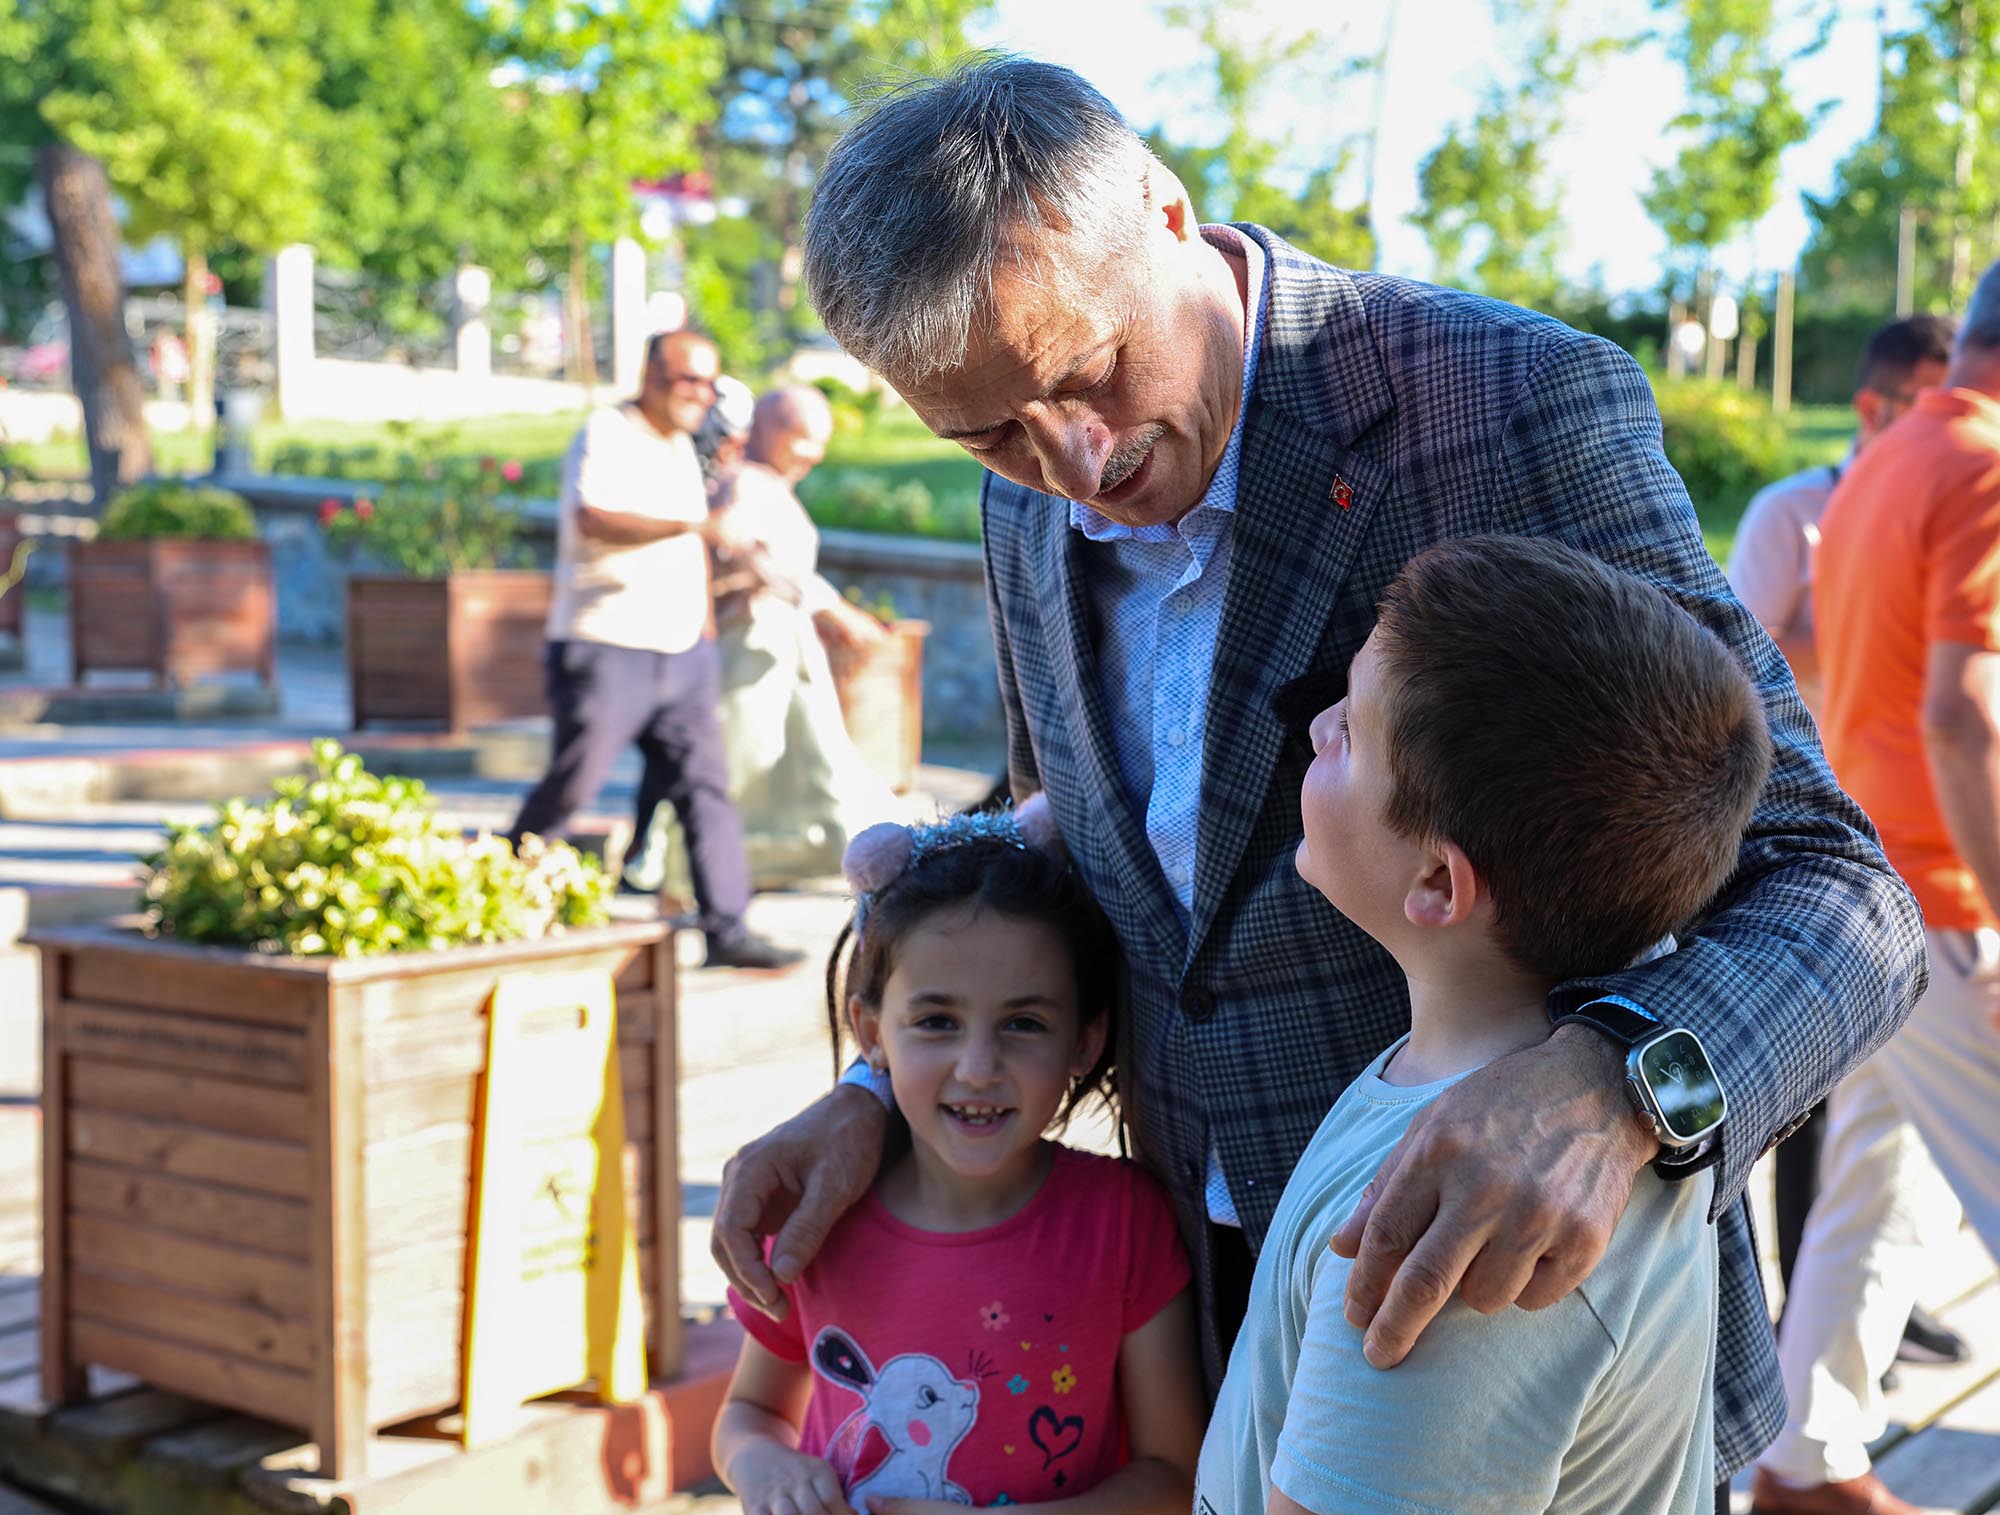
column 862, row 484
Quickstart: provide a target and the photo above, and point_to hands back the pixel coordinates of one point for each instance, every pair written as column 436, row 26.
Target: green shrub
column 857, row 499
column 1725, row 444
column 166, row 508
column 438, row 512
column 343, row 863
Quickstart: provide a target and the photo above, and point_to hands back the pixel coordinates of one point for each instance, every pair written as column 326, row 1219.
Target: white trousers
column 1933, row 1092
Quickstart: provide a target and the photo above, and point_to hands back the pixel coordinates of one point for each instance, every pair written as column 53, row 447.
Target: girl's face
column 981, row 1034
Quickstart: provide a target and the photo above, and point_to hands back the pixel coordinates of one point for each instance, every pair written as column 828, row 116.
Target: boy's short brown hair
column 1594, row 750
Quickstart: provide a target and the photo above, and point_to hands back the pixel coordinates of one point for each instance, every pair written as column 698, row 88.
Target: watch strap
column 1623, row 1020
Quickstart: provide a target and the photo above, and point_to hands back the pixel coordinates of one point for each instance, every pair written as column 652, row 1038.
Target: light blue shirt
column 1157, row 594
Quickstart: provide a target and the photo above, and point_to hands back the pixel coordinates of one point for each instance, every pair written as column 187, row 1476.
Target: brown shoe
column 1866, row 1495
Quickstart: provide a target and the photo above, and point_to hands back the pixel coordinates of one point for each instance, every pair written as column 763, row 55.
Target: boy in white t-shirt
column 1542, row 768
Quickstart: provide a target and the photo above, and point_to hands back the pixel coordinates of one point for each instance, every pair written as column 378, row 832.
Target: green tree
column 193, row 107
column 1935, row 152
column 1741, row 118
column 791, row 69
column 1490, row 210
column 1250, row 173
column 187, row 109
column 608, row 93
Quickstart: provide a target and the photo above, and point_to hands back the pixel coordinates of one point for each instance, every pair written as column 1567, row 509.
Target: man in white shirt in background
column 631, row 653
column 1771, row 570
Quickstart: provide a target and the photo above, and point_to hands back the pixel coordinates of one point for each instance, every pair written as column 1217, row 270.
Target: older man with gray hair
column 1208, row 453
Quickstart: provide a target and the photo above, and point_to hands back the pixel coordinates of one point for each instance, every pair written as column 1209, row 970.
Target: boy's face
column 1349, row 852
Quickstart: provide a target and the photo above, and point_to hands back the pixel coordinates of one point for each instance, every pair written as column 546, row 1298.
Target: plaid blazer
column 1388, row 415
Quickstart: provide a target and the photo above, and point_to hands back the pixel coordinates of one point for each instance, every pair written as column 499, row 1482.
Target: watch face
column 1683, row 1086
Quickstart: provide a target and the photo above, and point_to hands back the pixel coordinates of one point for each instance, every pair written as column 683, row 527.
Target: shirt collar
column 1221, row 494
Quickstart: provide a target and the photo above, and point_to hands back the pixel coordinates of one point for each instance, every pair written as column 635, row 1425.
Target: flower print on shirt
column 1064, row 1379
column 994, row 1317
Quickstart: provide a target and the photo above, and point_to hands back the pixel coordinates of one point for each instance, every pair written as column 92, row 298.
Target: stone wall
column 939, row 582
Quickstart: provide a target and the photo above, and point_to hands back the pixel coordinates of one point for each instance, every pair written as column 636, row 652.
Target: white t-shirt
column 653, row 596
column 1601, row 1404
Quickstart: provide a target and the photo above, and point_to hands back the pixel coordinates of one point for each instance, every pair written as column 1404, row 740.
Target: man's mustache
column 1124, row 462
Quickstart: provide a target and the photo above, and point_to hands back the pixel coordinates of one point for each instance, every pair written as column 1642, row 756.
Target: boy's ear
column 867, row 1027
column 1448, row 889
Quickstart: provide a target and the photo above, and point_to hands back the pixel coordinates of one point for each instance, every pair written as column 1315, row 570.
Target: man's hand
column 1506, row 1190
column 795, row 1182
column 847, row 628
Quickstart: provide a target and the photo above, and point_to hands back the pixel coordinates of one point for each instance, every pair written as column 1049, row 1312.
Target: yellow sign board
column 552, row 1300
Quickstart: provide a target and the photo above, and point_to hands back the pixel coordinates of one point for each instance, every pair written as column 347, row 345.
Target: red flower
column 511, row 471
column 328, row 509
column 365, row 508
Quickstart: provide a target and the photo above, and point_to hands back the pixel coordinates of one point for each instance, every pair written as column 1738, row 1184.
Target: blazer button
column 1197, row 1002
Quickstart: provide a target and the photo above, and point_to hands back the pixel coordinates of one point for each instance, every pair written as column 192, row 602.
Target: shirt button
column 1183, row 603
column 1177, row 737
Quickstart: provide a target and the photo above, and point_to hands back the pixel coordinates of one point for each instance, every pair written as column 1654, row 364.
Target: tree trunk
column 86, row 249
column 576, row 314
column 1968, row 139
column 200, row 344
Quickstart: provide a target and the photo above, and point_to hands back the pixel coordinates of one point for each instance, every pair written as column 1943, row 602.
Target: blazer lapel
column 1304, row 500
column 1099, row 809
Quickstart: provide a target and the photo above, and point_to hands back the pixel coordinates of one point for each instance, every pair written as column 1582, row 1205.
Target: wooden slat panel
column 191, row 1320
column 451, row 1042
column 194, row 1209
column 403, row 1110
column 243, row 1109
column 258, row 1280
column 229, row 989
column 193, row 1044
column 154, row 1146
column 255, row 1388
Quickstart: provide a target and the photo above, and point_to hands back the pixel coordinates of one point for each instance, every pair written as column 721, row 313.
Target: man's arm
column 618, row 528
column 1812, row 957
column 1962, row 742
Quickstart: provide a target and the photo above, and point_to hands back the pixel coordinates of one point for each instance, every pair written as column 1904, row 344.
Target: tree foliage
column 1741, row 119
column 790, row 70
column 1251, row 172
column 1936, row 150
column 1490, row 209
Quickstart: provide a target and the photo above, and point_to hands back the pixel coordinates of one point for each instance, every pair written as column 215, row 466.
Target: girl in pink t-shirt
column 1001, row 1320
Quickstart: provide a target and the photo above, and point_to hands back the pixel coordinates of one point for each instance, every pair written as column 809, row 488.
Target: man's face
column 681, row 382
column 1349, row 852
column 1116, row 384
column 798, row 448
column 1881, row 404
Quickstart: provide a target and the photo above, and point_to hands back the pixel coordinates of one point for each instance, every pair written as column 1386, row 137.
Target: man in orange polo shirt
column 1909, row 646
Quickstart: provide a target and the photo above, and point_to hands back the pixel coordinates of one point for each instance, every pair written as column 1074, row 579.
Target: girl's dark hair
column 1020, row 883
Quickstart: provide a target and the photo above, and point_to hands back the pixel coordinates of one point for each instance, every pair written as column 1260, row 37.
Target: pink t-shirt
column 980, row 1366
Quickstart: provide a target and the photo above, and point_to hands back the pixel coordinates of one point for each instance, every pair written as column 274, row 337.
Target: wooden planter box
column 461, row 651
column 174, row 609
column 882, row 700
column 257, row 1170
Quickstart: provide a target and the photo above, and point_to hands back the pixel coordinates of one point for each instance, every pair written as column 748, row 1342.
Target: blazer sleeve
column 1812, row 954
column 1023, row 777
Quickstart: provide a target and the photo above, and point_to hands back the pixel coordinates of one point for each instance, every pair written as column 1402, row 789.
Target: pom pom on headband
column 876, row 857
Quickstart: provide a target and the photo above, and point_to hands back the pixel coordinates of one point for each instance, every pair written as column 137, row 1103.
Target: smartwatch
column 1668, row 1077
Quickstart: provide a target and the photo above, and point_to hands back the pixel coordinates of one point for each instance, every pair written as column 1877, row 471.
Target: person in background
column 798, row 781
column 1908, row 582
column 1771, row 570
column 724, row 432
column 631, row 656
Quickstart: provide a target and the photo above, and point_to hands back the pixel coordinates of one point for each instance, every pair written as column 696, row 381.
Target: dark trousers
column 1794, row 1182
column 666, row 704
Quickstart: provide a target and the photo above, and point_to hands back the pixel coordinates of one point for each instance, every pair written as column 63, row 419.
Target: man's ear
column 866, row 1023
column 1167, row 196
column 1448, row 889
column 1868, row 411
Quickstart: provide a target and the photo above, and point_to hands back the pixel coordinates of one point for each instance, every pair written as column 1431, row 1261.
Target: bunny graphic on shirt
column 920, row 1410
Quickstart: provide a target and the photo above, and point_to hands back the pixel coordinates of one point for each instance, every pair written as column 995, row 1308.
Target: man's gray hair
column 1981, row 326
column 942, row 181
